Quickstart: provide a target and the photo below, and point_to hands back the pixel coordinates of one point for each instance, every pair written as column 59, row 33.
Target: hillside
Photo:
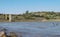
column 32, row 17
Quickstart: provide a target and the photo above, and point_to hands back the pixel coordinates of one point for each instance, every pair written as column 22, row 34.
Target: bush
column 35, row 15
column 28, row 17
column 47, row 18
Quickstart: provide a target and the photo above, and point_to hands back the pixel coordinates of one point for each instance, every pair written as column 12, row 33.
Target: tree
column 27, row 12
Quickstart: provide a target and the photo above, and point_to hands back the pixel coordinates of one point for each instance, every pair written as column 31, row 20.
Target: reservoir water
column 33, row 29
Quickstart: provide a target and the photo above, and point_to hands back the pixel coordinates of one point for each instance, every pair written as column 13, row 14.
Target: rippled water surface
column 33, row 29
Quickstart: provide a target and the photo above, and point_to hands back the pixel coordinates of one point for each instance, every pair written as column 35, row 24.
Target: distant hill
column 32, row 16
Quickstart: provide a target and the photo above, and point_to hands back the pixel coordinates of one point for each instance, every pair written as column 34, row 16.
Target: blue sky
column 20, row 6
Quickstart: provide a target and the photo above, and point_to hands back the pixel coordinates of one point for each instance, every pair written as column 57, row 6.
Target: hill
column 32, row 17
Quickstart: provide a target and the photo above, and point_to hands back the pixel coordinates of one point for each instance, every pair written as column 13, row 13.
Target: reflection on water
column 33, row 29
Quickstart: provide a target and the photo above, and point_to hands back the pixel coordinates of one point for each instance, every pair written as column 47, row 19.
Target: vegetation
column 35, row 16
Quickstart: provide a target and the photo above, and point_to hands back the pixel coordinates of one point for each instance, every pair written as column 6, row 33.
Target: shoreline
column 50, row 20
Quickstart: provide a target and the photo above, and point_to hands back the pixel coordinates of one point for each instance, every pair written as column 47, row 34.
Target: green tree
column 27, row 12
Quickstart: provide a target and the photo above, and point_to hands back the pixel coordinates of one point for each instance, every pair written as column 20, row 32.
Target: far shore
column 31, row 17
column 50, row 20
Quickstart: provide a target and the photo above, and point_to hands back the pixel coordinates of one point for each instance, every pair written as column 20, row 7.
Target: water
column 33, row 29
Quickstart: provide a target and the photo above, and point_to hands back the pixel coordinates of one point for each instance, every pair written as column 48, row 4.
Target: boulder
column 3, row 34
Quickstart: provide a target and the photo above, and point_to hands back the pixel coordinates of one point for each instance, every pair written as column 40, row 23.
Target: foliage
column 27, row 12
column 34, row 15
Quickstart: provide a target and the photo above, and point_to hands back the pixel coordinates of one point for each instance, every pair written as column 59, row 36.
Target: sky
column 21, row 6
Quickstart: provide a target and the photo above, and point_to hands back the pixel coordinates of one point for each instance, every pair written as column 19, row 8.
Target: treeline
column 43, row 14
column 35, row 15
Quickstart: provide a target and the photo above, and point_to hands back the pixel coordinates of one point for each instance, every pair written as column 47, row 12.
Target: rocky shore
column 11, row 34
column 3, row 33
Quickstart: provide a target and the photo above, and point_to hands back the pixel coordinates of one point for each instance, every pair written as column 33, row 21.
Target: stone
column 3, row 34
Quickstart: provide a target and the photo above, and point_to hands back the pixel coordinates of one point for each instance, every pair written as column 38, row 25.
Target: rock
column 3, row 34
column 12, row 34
